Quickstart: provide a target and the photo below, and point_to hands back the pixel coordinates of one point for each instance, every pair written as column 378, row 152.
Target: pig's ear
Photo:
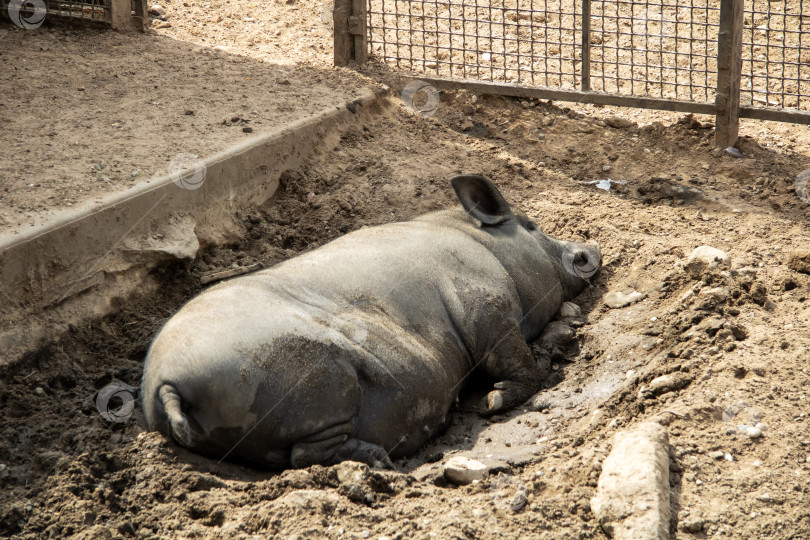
column 481, row 199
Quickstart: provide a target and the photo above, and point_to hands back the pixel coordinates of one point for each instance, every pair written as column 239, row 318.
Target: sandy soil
column 70, row 471
column 85, row 112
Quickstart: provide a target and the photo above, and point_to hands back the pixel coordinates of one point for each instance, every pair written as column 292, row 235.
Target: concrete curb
column 75, row 265
column 632, row 498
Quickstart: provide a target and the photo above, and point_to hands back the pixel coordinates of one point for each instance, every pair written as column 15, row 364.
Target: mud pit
column 66, row 470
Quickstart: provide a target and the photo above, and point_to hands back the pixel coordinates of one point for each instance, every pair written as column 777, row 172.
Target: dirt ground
column 70, row 471
column 737, row 342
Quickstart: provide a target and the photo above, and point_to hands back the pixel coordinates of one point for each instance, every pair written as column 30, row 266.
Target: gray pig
column 357, row 350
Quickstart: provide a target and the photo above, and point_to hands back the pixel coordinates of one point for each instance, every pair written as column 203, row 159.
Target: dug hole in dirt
column 701, row 353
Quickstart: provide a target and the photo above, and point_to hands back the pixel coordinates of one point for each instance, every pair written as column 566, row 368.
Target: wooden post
column 344, row 43
column 122, row 18
column 729, row 67
column 351, row 42
column 586, row 45
column 357, row 27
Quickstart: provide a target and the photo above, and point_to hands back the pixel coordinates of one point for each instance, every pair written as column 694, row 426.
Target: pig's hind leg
column 333, row 445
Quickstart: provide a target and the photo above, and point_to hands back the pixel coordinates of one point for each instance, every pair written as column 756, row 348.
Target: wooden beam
column 358, row 31
column 586, row 45
column 576, row 96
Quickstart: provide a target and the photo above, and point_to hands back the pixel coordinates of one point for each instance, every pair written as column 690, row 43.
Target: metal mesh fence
column 665, row 49
column 658, row 48
column 88, row 10
column 776, row 54
column 517, row 41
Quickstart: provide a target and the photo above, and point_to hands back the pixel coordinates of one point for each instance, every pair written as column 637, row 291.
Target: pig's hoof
column 495, row 401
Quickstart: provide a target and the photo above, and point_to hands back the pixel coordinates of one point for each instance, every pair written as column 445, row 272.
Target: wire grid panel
column 535, row 42
column 655, row 48
column 90, row 10
column 776, row 54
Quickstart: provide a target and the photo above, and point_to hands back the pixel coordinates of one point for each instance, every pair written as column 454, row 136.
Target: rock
column 558, row 334
column 799, row 261
column 162, row 24
column 717, row 454
column 752, row 432
column 620, row 299
column 351, row 472
column 718, row 294
column 706, row 258
column 617, row 122
column 667, row 383
column 691, row 525
column 157, row 10
column 462, row 470
column 177, row 241
column 313, row 500
column 570, row 309
column 632, row 497
column 734, row 152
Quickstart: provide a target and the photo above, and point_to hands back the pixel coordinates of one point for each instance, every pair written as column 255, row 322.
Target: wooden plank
column 359, row 34
column 586, row 45
column 343, row 40
column 576, row 96
column 792, row 116
column 729, row 66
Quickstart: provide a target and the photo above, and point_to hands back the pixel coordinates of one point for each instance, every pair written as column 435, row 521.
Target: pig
column 358, row 349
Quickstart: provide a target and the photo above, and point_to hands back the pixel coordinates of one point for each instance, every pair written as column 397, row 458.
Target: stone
column 706, row 258
column 462, row 470
column 691, row 525
column 632, row 497
column 620, row 299
column 314, row 500
column 799, row 261
column 618, row 122
column 667, row 383
column 351, row 472
column 157, row 10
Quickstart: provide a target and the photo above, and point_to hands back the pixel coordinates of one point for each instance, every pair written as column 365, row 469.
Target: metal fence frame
column 352, row 23
column 126, row 15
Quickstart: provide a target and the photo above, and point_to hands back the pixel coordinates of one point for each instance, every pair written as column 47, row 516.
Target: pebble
column 247, row 129
column 734, row 152
column 717, row 454
column 462, row 470
column 39, row 391
column 620, row 299
column 705, row 258
column 157, row 10
column 753, row 432
column 162, row 24
column 617, row 122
